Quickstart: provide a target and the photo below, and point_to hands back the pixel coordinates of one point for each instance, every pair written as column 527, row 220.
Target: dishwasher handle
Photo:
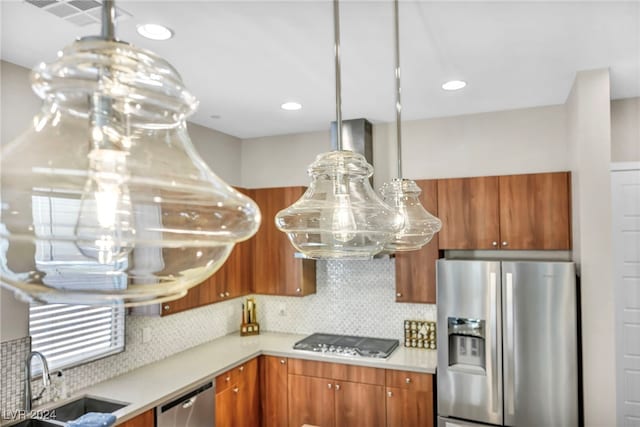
column 186, row 400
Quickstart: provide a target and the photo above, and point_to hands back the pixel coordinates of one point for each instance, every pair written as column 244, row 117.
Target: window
column 68, row 335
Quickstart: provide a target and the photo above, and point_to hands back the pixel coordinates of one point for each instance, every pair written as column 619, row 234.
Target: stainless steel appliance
column 348, row 345
column 507, row 343
column 193, row 409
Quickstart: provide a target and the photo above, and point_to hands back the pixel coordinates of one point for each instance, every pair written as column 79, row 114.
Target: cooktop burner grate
column 348, row 345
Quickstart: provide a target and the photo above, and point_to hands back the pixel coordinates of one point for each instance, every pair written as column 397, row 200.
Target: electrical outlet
column 146, row 335
column 282, row 309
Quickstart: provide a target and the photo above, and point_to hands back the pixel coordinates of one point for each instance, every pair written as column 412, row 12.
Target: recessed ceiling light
column 291, row 106
column 155, row 31
column 454, row 85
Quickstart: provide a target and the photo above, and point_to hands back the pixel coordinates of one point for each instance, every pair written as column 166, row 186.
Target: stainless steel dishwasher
column 193, row 409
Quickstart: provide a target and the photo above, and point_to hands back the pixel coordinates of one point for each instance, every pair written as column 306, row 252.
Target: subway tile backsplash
column 353, row 297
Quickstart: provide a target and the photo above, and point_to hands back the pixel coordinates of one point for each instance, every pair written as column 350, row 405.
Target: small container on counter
column 420, row 334
column 249, row 325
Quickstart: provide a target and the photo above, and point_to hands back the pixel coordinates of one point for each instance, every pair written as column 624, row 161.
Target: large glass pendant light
column 403, row 194
column 339, row 216
column 104, row 199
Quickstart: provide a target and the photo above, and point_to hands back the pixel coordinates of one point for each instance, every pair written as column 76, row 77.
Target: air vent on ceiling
column 78, row 12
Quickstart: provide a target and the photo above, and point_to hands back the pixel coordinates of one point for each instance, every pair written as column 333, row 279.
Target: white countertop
column 146, row 387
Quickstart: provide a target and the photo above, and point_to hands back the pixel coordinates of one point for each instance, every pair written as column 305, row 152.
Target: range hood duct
column 357, row 136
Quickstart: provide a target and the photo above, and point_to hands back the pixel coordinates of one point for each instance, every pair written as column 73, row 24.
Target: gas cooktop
column 348, row 345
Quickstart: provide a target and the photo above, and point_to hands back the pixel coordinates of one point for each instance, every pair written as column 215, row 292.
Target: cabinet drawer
column 247, row 371
column 409, row 380
column 336, row 371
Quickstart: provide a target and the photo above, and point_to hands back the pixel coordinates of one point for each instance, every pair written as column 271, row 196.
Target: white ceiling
column 242, row 59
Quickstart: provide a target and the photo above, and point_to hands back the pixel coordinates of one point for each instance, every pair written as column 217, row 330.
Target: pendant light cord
column 108, row 20
column 336, row 35
column 398, row 90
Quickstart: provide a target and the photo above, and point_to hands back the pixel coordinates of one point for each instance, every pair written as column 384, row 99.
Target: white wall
column 506, row 142
column 279, row 161
column 589, row 136
column 625, row 130
column 220, row 151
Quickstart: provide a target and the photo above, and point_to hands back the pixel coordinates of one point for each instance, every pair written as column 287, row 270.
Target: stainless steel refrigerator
column 507, row 343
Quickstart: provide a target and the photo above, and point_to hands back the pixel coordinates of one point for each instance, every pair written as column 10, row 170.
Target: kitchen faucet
column 28, row 399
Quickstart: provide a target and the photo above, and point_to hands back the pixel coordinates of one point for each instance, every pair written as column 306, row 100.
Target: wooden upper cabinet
column 469, row 210
column 276, row 270
column 232, row 280
column 416, row 270
column 527, row 212
column 535, row 211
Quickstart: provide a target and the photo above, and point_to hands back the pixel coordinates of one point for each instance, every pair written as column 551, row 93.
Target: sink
column 35, row 423
column 77, row 408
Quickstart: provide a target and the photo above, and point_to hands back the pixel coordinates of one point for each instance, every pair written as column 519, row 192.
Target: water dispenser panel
column 467, row 343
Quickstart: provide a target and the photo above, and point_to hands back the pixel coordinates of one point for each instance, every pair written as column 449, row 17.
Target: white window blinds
column 71, row 334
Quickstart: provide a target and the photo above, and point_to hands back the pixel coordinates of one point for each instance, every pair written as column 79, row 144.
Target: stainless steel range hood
column 357, row 136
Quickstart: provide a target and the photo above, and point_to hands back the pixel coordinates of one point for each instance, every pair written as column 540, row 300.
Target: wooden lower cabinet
column 146, row 419
column 311, row 401
column 331, row 394
column 409, row 399
column 274, row 409
column 238, row 397
column 359, row 405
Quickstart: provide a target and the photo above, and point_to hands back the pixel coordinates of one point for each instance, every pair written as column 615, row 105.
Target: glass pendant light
column 339, row 216
column 104, row 199
column 403, row 194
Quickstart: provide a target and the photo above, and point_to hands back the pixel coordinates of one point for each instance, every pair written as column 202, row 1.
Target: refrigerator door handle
column 509, row 368
column 494, row 340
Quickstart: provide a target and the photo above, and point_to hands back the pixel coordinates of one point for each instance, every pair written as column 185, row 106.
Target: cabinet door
column 469, row 210
column 359, row 405
column 276, row 270
column 409, row 397
column 416, row 270
column 409, row 408
column 146, row 419
column 226, row 403
column 189, row 301
column 535, row 211
column 238, row 396
column 273, row 387
column 311, row 401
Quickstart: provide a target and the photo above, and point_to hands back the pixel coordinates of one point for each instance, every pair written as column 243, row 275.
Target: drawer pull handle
column 236, row 389
column 389, row 394
column 282, row 361
column 407, row 380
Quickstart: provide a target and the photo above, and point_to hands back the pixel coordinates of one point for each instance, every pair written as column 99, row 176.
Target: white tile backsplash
column 353, row 297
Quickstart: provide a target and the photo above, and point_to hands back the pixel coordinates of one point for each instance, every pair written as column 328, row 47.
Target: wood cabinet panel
column 337, row 371
column 535, row 211
column 407, row 407
column 409, row 380
column 359, row 405
column 416, row 270
column 276, row 270
column 232, row 280
column 273, row 391
column 311, row 401
column 469, row 210
column 238, row 396
column 146, row 419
